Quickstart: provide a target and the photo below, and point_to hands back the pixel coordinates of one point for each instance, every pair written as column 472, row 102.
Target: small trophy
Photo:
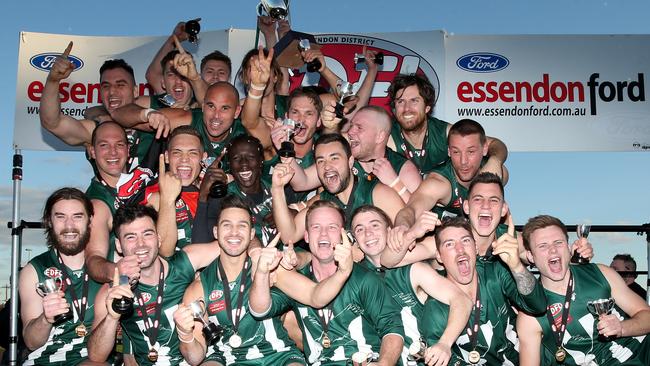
column 192, row 28
column 123, row 305
column 364, row 358
column 345, row 91
column 601, row 307
column 218, row 189
column 361, row 58
column 167, row 100
column 313, row 65
column 50, row 286
column 286, row 148
column 583, row 232
column 211, row 331
column 276, row 9
column 416, row 352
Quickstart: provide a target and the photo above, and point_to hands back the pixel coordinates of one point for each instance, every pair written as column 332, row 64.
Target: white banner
column 552, row 93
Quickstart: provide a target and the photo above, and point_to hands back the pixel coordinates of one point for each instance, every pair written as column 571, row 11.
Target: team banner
column 552, row 93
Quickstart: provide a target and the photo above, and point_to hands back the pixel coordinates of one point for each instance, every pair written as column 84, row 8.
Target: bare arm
column 170, row 189
column 291, row 228
column 530, row 340
column 190, row 331
column 36, row 324
column 304, row 179
column 202, row 254
column 365, row 90
column 433, row 190
column 391, row 348
column 260, row 72
column 154, row 74
column 100, row 269
column 639, row 322
column 387, row 199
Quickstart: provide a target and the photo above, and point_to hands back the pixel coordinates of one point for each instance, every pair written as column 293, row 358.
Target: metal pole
column 16, row 232
column 647, row 283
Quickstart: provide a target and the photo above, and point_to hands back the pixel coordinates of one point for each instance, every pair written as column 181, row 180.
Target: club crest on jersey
column 215, row 295
column 146, row 297
column 52, row 272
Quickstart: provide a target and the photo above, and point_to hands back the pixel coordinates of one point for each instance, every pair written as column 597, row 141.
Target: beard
column 65, row 248
column 344, row 181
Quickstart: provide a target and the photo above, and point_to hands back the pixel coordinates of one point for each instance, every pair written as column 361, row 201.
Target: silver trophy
column 212, row 332
column 124, row 305
column 276, row 9
column 583, row 232
column 361, row 58
column 416, row 352
column 345, row 90
column 313, row 65
column 601, row 307
column 286, row 148
column 363, row 358
column 50, row 286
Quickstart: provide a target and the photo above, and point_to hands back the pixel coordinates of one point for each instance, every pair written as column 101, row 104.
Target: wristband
column 147, row 112
column 402, row 191
column 252, row 96
column 184, row 341
column 179, row 331
column 394, row 182
column 257, row 87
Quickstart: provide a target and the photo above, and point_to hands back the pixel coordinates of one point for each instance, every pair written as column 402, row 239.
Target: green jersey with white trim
column 180, row 274
column 581, row 336
column 497, row 340
column 359, row 317
column 64, row 346
column 361, row 195
column 260, row 339
column 108, row 195
column 214, row 149
column 434, row 147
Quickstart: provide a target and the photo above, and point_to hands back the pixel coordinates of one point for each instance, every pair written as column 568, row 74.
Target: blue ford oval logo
column 482, row 62
column 44, row 61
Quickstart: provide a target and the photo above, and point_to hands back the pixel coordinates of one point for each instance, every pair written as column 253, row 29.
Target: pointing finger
column 511, row 224
column 161, row 164
column 179, row 47
column 116, row 273
column 344, row 238
column 275, row 241
column 66, row 53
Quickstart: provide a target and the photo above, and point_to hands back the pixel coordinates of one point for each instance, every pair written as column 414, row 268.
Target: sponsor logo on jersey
column 482, row 62
column 44, row 61
column 146, row 297
column 215, row 295
column 216, row 307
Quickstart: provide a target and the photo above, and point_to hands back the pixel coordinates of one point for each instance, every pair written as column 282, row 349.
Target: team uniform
column 398, row 282
column 458, row 193
column 304, row 162
column 434, row 146
column 179, row 276
column 108, row 195
column 264, row 342
column 186, row 206
column 215, row 148
column 581, row 336
column 64, row 346
column 361, row 195
column 396, row 162
column 497, row 341
column 360, row 315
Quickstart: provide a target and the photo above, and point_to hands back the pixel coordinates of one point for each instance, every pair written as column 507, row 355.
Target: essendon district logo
column 44, row 61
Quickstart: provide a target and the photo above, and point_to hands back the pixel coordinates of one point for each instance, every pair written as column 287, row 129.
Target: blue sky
column 601, row 188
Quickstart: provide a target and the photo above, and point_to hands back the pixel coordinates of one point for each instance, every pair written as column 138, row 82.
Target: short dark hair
column 184, row 130
column 320, row 204
column 541, row 222
column 627, row 258
column 457, row 221
column 130, row 212
column 334, row 137
column 466, row 127
column 374, row 209
column 93, row 137
column 232, row 201
column 217, row 55
column 65, row 193
column 307, row 93
column 485, row 178
column 117, row 63
column 403, row 81
column 245, row 139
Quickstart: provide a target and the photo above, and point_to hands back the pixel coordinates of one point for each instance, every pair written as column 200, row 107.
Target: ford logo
column 44, row 61
column 482, row 62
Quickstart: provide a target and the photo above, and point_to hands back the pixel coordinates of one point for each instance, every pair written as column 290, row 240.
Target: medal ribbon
column 80, row 305
column 559, row 333
column 152, row 330
column 410, row 150
column 472, row 332
column 324, row 321
column 226, row 292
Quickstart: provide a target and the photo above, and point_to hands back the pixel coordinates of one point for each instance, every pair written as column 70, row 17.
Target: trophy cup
column 416, row 352
column 601, row 307
column 123, row 305
column 361, row 58
column 211, row 331
column 276, row 9
column 313, row 65
column 167, row 100
column 218, row 189
column 364, row 358
column 286, row 148
column 583, row 232
column 50, row 286
column 192, row 28
column 345, row 91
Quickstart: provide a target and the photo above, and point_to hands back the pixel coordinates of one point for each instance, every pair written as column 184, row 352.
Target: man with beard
column 158, row 287
column 491, row 286
column 410, row 284
column 445, row 189
column 225, row 286
column 362, row 318
column 334, row 165
column 420, row 136
column 53, row 337
column 569, row 331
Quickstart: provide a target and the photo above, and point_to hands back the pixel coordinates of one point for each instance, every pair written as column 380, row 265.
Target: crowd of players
column 275, row 228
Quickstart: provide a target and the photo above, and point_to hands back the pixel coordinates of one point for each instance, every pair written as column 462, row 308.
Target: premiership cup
column 363, row 358
column 416, row 352
column 192, row 28
column 50, row 286
column 123, row 305
column 345, row 91
column 211, row 331
column 276, row 9
column 583, row 232
column 287, row 148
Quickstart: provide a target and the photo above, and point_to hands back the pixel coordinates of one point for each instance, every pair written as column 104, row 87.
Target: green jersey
column 361, row 195
column 458, row 193
column 581, row 336
column 434, row 146
column 359, row 317
column 216, row 148
column 400, row 288
column 108, row 195
column 497, row 341
column 396, row 161
column 179, row 276
column 64, row 346
column 261, row 339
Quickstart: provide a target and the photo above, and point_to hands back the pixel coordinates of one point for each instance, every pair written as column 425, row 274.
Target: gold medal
column 474, row 357
column 370, row 177
column 153, row 355
column 560, row 354
column 234, row 340
column 81, row 330
column 325, row 341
